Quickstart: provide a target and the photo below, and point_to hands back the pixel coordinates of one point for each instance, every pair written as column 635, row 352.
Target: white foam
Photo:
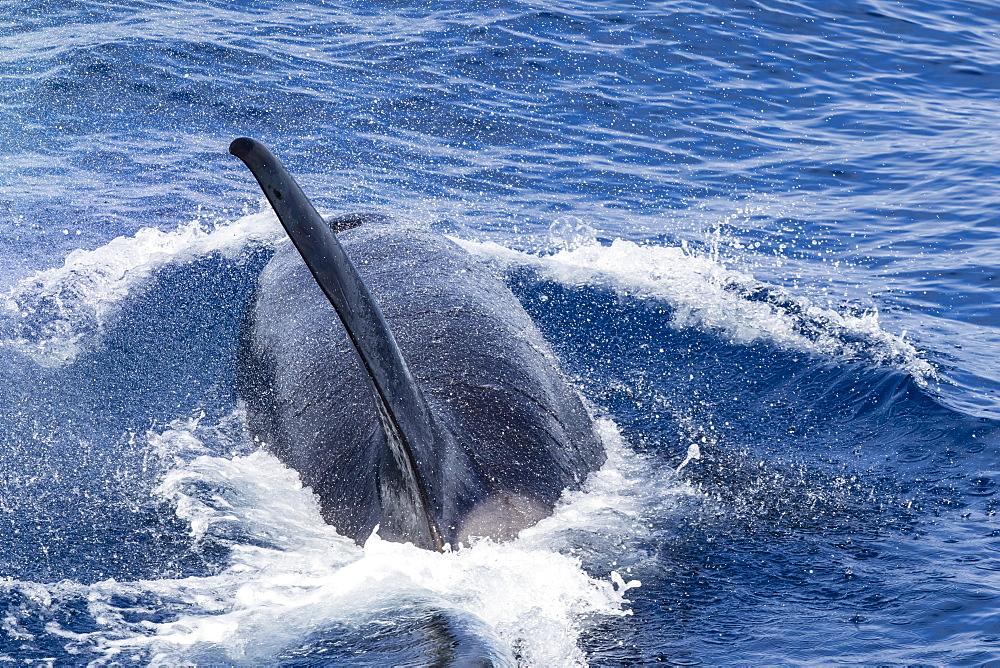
column 704, row 293
column 533, row 597
column 289, row 575
column 65, row 309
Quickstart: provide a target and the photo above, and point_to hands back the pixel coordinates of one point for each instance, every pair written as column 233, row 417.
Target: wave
column 290, row 579
column 704, row 293
column 57, row 314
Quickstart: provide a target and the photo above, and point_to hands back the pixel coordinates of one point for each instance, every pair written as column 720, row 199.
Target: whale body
column 403, row 381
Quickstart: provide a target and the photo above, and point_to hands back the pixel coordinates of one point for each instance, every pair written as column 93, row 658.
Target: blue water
column 765, row 229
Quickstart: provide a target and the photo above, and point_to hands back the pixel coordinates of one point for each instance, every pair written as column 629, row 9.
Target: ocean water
column 761, row 236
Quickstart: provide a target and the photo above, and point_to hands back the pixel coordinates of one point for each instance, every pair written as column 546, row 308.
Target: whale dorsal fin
column 411, row 434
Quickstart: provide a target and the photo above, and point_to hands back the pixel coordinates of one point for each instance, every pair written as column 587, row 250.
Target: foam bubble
column 296, row 575
column 290, row 578
column 60, row 312
column 706, row 294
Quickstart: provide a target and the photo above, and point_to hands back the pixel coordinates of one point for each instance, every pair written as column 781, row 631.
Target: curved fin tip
column 241, row 146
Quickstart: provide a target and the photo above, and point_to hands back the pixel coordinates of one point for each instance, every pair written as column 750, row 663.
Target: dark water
column 765, row 229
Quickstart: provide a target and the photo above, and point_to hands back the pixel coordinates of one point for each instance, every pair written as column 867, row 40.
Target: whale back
column 521, row 432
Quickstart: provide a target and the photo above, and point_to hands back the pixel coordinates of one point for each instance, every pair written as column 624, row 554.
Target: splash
column 290, row 571
column 290, row 578
column 57, row 314
column 704, row 293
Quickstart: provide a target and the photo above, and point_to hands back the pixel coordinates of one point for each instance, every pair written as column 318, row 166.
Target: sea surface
column 762, row 237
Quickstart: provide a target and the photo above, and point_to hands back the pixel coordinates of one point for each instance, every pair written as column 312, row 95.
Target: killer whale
column 402, row 380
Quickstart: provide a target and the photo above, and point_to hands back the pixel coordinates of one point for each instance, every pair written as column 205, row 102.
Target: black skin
column 517, row 431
